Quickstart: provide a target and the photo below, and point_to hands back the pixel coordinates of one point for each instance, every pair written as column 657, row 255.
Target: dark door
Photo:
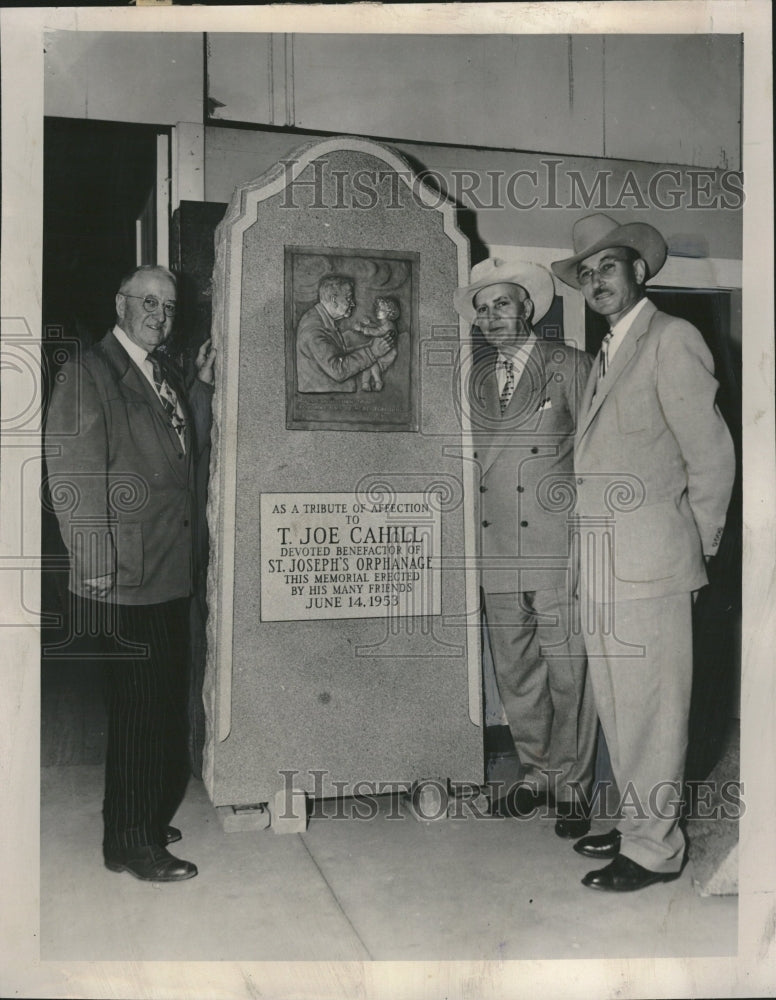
column 96, row 180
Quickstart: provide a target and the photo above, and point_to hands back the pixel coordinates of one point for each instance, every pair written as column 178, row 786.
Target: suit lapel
column 492, row 412
column 124, row 370
column 625, row 353
column 135, row 384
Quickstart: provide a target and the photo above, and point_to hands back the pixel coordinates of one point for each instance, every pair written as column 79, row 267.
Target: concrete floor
column 349, row 889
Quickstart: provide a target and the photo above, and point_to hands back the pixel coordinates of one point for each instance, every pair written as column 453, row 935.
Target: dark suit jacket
column 526, row 469
column 121, row 485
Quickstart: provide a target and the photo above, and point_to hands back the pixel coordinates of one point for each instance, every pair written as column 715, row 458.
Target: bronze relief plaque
column 351, row 335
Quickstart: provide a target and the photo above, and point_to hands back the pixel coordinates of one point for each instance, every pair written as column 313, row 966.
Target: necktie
column 509, row 384
column 603, row 358
column 168, row 398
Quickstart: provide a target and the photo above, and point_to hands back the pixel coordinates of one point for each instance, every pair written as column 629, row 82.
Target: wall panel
column 154, row 78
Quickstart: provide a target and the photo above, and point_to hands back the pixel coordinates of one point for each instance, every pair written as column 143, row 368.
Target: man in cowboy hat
column 654, row 464
column 523, row 400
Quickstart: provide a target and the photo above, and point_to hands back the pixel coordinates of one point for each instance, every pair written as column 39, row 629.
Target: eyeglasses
column 151, row 304
column 605, row 269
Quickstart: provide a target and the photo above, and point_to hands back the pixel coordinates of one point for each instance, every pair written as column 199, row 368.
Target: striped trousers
column 146, row 691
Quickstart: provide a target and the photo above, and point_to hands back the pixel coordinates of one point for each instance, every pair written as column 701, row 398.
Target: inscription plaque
column 338, row 555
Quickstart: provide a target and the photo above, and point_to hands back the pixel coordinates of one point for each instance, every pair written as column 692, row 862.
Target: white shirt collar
column 518, row 358
column 621, row 327
column 138, row 354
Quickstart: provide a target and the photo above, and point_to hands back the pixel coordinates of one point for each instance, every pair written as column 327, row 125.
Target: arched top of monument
column 286, row 172
column 308, row 151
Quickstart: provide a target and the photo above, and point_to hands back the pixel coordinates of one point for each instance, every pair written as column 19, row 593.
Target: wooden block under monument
column 344, row 646
column 239, row 819
column 289, row 811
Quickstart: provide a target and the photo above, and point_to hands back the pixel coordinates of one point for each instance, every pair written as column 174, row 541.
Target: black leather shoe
column 150, row 864
column 571, row 824
column 172, row 835
column 605, row 845
column 624, row 875
column 519, row 801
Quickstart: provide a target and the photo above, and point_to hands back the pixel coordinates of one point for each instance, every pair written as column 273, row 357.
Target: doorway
column 98, row 178
column 101, row 196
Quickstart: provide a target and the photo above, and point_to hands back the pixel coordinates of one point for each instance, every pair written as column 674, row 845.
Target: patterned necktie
column 509, row 384
column 168, row 398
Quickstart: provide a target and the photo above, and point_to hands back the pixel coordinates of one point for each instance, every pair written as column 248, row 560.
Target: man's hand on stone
column 204, row 362
column 100, row 586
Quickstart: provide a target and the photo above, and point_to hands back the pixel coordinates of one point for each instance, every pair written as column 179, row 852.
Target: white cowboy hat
column 599, row 232
column 534, row 278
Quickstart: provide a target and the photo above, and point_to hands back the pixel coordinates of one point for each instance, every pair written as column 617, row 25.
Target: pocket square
column 545, row 404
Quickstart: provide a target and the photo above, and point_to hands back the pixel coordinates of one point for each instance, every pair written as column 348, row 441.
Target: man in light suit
column 523, row 399
column 122, row 440
column 325, row 362
column 654, row 464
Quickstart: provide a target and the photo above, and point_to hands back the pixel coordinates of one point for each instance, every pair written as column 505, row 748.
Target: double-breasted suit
column 526, row 493
column 654, row 466
column 122, row 484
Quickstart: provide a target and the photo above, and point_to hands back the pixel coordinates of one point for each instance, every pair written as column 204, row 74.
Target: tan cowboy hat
column 599, row 232
column 534, row 278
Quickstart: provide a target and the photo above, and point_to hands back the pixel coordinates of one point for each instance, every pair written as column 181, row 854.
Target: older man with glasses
column 122, row 439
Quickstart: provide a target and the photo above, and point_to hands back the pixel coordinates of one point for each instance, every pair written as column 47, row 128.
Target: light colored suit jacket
column 324, row 361
column 121, row 485
column 654, row 460
column 526, row 469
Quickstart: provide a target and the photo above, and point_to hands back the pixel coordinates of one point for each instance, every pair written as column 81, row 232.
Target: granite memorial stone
column 343, row 646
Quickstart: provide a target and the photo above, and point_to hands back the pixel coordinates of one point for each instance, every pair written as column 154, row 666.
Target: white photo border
column 749, row 973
